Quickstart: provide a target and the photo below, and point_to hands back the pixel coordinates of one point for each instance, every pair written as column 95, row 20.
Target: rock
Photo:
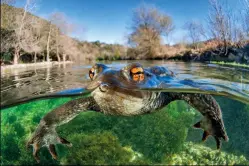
column 246, row 58
column 231, row 57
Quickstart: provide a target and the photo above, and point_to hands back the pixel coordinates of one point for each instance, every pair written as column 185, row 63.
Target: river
column 164, row 137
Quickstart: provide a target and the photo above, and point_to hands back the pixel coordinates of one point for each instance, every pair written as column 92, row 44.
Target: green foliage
column 6, row 56
column 152, row 135
column 148, row 139
column 194, row 154
column 99, row 148
column 17, row 124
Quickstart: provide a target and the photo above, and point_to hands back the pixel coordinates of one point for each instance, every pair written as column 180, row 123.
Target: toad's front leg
column 212, row 122
column 46, row 135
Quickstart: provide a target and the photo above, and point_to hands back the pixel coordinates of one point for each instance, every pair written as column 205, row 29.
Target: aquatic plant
column 102, row 139
column 196, row 154
column 98, row 148
column 152, row 135
column 230, row 63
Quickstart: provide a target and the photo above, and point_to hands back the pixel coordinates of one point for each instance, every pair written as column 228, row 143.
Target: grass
column 230, row 63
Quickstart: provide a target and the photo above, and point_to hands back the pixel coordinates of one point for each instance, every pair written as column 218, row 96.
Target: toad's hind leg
column 212, row 122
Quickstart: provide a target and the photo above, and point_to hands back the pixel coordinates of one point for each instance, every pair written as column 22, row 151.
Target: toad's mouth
column 103, row 87
column 93, row 85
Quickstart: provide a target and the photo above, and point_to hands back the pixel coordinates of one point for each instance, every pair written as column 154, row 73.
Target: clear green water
column 164, row 137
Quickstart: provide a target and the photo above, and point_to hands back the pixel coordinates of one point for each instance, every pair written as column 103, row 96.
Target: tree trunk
column 35, row 57
column 64, row 57
column 57, row 47
column 19, row 33
column 49, row 34
column 57, row 54
column 58, row 58
column 16, row 55
column 225, row 47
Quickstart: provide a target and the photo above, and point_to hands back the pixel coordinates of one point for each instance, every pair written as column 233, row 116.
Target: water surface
column 164, row 137
column 19, row 84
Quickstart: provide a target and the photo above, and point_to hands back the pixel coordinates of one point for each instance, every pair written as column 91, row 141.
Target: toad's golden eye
column 91, row 73
column 137, row 74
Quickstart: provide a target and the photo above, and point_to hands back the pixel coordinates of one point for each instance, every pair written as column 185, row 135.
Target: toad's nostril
column 103, row 87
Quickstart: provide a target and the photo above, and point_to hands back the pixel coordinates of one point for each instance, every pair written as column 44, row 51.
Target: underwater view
column 163, row 137
column 129, row 82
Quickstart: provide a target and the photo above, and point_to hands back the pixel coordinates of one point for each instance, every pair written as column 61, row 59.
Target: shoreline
column 26, row 65
column 42, row 64
column 230, row 64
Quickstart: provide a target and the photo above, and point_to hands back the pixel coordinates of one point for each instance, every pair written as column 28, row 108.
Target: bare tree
column 22, row 23
column 58, row 19
column 59, row 26
column 219, row 22
column 147, row 42
column 48, row 41
column 68, row 48
column 167, row 26
column 37, row 38
column 149, row 24
column 32, row 34
column 195, row 31
column 148, row 16
column 238, row 28
column 57, row 45
column 246, row 17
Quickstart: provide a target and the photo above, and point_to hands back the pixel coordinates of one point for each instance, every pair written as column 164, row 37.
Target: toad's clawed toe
column 47, row 137
column 64, row 141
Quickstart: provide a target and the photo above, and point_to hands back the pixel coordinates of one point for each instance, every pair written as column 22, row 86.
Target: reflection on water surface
column 164, row 137
column 18, row 83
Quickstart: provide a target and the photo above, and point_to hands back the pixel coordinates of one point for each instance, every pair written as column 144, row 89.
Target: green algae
column 146, row 139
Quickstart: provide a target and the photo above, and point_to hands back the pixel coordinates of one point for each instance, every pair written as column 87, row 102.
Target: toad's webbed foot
column 48, row 137
column 214, row 128
column 212, row 122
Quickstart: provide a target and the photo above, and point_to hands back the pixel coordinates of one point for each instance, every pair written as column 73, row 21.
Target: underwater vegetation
column 164, row 137
column 194, row 154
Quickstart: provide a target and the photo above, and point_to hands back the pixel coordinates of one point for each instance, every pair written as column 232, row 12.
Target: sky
column 109, row 20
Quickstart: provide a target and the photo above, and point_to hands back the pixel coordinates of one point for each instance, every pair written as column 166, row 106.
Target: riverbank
column 232, row 55
column 27, row 65
column 230, row 64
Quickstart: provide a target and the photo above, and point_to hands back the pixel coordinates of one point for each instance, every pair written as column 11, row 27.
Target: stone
column 231, row 57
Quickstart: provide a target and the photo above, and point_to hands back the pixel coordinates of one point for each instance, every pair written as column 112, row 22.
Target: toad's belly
column 119, row 103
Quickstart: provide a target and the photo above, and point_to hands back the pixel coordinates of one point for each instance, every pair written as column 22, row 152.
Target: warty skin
column 114, row 92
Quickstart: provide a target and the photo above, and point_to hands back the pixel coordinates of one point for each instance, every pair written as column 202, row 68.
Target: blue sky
column 108, row 20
